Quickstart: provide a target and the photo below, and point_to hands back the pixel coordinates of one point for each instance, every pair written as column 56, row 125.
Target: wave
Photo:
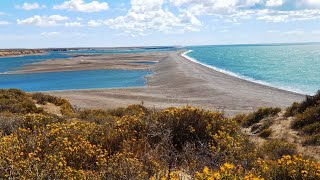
column 238, row 75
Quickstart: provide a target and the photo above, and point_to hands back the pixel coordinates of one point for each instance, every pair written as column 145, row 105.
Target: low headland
column 19, row 52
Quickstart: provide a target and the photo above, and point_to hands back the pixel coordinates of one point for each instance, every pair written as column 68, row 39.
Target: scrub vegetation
column 140, row 143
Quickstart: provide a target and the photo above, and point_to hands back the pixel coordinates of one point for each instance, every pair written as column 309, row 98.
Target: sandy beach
column 176, row 81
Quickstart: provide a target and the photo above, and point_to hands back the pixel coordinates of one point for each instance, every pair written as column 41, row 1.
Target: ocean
column 293, row 67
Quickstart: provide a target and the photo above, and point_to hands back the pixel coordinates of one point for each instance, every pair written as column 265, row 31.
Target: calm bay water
column 294, row 67
column 68, row 80
column 73, row 80
column 10, row 63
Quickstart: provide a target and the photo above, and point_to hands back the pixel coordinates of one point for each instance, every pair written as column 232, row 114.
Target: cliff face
column 19, row 52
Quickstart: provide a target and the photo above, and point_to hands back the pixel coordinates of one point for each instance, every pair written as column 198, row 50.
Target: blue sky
column 106, row 23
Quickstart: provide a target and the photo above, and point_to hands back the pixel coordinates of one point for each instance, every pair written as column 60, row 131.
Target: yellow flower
column 229, row 166
column 206, row 170
column 304, row 172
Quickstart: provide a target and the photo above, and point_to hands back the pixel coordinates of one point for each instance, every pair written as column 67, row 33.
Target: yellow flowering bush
column 226, row 171
column 134, row 143
column 287, row 167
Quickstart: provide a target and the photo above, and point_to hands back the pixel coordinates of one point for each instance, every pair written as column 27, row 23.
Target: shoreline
column 230, row 73
column 178, row 81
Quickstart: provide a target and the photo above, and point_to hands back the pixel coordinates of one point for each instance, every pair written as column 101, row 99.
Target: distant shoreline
column 9, row 55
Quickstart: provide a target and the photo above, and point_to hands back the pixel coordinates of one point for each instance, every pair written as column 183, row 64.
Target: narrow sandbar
column 133, row 61
column 177, row 81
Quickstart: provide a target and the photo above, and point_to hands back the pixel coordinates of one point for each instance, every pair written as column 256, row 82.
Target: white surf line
column 184, row 54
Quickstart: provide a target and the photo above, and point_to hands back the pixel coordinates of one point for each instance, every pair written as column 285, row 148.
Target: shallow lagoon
column 74, row 80
column 69, row 79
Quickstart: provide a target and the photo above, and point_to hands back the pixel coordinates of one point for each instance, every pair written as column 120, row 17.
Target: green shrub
column 190, row 125
column 9, row 122
column 308, row 117
column 16, row 101
column 311, row 128
column 292, row 110
column 275, row 149
column 257, row 116
column 95, row 115
column 239, row 118
column 265, row 133
column 43, row 99
column 309, row 102
column 129, row 111
column 65, row 107
column 313, row 140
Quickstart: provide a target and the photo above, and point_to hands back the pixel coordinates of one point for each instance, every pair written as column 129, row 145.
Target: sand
column 135, row 61
column 177, row 81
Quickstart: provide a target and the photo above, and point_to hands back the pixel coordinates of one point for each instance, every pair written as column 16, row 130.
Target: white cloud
column 73, row 24
column 81, row 6
column 214, row 7
column 285, row 16
column 43, row 20
column 274, row 3
column 266, row 10
column 50, row 33
column 31, row 6
column 147, row 16
column 96, row 23
column 4, row 23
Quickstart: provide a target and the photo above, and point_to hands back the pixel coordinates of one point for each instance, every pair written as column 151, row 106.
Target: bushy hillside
column 307, row 118
column 135, row 143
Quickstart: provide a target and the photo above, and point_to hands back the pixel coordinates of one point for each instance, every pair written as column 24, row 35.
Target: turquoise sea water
column 294, row 67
